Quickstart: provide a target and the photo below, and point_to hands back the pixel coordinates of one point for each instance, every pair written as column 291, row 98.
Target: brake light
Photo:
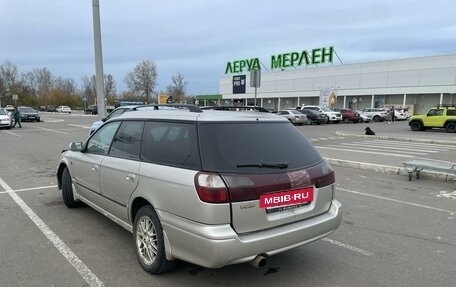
column 211, row 188
column 323, row 176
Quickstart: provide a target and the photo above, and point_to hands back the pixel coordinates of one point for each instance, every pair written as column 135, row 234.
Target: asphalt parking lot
column 394, row 232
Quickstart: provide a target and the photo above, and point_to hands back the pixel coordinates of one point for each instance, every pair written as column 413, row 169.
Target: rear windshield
column 27, row 110
column 238, row 147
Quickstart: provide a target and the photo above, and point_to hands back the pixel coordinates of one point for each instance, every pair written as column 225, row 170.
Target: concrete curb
column 390, row 169
column 432, row 141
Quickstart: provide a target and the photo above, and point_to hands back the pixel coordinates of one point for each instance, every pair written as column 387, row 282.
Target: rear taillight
column 323, row 175
column 211, row 188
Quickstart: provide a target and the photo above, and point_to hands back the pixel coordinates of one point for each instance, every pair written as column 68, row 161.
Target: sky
column 198, row 37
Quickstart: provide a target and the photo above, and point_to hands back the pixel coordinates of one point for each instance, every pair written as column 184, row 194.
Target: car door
column 85, row 166
column 120, row 168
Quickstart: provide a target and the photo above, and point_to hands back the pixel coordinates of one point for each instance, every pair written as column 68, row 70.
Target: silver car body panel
column 215, row 246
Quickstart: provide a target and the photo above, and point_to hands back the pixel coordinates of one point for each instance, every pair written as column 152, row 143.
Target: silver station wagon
column 212, row 188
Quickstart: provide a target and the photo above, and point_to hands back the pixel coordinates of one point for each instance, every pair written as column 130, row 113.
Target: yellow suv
column 440, row 116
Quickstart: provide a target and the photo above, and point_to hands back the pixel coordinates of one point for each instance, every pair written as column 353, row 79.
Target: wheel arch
column 60, row 169
column 136, row 205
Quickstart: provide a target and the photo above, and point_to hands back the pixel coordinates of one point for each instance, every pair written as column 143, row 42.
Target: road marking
column 388, row 148
column 349, row 247
column 51, row 130
column 398, row 201
column 69, row 255
column 14, row 134
column 31, row 188
column 79, row 126
column 363, row 151
column 433, row 145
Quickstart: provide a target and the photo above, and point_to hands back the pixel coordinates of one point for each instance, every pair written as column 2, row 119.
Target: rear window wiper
column 266, row 165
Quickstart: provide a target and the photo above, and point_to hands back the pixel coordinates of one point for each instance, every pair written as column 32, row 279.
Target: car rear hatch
column 269, row 172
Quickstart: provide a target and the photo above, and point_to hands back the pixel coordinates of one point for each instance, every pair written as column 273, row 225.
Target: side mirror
column 76, row 146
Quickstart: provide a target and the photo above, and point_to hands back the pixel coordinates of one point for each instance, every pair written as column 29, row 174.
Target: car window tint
column 171, row 144
column 451, row 112
column 127, row 141
column 101, row 140
column 226, row 145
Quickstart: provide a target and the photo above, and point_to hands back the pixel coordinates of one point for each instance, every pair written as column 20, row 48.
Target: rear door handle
column 130, row 177
column 94, row 168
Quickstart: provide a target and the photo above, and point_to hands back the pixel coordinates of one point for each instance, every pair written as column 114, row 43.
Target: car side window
column 171, row 143
column 451, row 112
column 127, row 141
column 435, row 112
column 100, row 142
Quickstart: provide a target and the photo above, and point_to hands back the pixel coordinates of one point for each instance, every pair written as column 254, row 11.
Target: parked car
column 314, row 117
column 63, row 109
column 349, row 115
column 92, row 109
column 375, row 114
column 28, row 114
column 294, row 116
column 6, row 120
column 333, row 117
column 440, row 116
column 196, row 185
column 364, row 118
column 401, row 114
column 51, row 108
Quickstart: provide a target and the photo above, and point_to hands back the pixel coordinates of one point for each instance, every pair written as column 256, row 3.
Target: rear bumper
column 215, row 246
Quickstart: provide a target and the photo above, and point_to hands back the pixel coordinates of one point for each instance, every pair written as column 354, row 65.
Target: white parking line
column 349, row 247
column 363, row 151
column 79, row 126
column 31, row 188
column 14, row 134
column 399, row 201
column 82, row 269
column 51, row 130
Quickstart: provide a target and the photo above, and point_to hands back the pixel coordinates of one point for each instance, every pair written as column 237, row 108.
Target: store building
column 294, row 79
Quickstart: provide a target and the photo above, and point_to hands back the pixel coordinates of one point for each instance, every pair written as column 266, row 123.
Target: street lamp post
column 98, row 59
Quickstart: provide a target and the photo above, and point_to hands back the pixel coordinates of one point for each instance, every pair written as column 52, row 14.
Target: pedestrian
column 17, row 117
column 392, row 114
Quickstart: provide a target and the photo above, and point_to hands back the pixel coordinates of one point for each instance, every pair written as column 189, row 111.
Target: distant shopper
column 17, row 117
column 391, row 115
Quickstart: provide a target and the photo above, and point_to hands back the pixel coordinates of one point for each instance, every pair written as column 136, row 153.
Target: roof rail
column 191, row 108
column 446, row 106
column 237, row 108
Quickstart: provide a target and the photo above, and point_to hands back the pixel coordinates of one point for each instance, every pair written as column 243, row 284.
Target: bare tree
column 142, row 79
column 89, row 89
column 43, row 80
column 177, row 89
column 110, row 88
column 8, row 74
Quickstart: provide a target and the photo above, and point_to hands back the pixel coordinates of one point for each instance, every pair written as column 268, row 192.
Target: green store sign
column 285, row 60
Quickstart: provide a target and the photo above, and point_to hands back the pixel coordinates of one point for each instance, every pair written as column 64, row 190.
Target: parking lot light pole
column 98, row 59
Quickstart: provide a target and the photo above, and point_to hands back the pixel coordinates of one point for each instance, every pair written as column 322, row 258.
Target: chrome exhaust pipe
column 259, row 261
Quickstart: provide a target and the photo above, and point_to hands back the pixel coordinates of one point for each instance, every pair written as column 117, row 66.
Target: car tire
column 149, row 242
column 451, row 127
column 416, row 126
column 376, row 119
column 67, row 190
